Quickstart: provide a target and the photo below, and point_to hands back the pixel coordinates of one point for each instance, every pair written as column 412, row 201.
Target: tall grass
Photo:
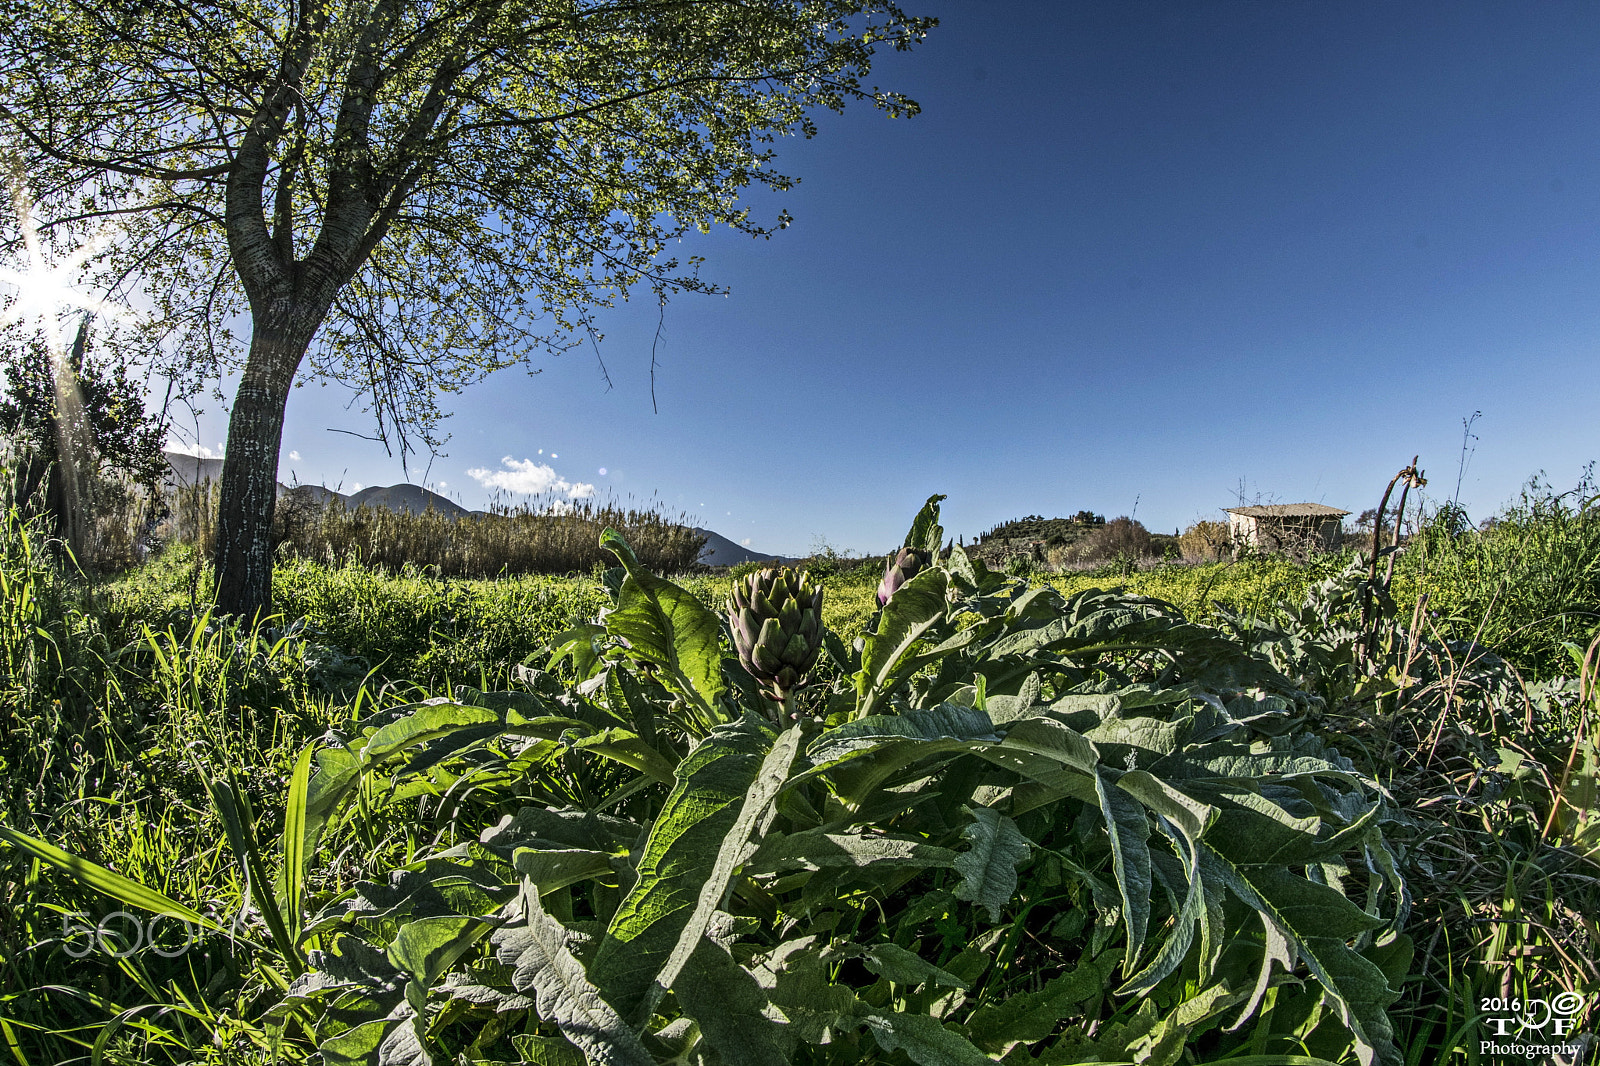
column 539, row 537
column 1526, row 586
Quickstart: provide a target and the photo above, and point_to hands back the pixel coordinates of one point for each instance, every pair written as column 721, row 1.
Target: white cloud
column 444, row 484
column 745, row 542
column 530, row 477
column 356, row 487
column 294, row 457
column 200, row 450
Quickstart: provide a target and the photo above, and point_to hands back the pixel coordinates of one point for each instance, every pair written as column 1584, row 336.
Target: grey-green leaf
column 989, row 867
column 916, row 608
column 537, row 946
column 925, row 1040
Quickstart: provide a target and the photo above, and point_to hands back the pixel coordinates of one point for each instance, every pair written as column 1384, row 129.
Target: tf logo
column 1553, row 1017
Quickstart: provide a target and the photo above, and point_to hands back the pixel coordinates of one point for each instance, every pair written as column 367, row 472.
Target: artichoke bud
column 776, row 620
column 903, row 566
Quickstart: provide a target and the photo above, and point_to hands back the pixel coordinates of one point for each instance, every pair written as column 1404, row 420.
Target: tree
column 407, row 194
column 107, row 424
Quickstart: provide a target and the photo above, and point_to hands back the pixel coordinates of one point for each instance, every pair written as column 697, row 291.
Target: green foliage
column 1525, row 586
column 985, row 731
column 1013, row 821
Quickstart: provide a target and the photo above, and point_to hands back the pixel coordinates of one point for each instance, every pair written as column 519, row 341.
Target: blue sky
column 1132, row 257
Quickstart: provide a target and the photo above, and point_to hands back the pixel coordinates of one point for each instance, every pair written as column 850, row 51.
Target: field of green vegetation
column 1255, row 811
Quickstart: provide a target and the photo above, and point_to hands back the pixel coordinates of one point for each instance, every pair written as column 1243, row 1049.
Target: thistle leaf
column 989, row 868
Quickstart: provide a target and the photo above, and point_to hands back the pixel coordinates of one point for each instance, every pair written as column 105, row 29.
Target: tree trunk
column 243, row 555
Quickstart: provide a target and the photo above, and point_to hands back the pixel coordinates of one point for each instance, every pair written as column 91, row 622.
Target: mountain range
column 187, row 470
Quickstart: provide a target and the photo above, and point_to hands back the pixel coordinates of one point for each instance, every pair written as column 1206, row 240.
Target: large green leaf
column 907, row 967
column 916, row 607
column 424, row 722
column 1319, row 923
column 735, row 847
column 988, row 867
column 730, row 1006
column 925, row 1040
column 679, row 857
column 670, row 627
column 1184, row 819
column 539, row 948
column 1130, row 860
column 1028, row 1017
column 925, row 533
column 857, row 757
column 947, row 721
column 817, row 849
column 426, row 947
column 797, row 981
column 382, row 1042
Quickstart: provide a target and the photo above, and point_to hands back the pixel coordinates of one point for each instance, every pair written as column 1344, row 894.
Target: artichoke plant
column 903, row 566
column 776, row 619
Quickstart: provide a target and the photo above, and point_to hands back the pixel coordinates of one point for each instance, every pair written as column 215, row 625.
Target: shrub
column 1205, row 541
column 1119, row 538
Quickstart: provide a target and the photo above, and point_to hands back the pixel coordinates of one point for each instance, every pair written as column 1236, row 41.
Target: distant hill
column 188, row 470
column 412, row 499
column 720, row 551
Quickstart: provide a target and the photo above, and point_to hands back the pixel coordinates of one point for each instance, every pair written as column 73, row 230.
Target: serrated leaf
column 989, row 867
column 679, row 856
column 1318, row 922
column 925, row 1040
column 547, row 1050
column 536, row 945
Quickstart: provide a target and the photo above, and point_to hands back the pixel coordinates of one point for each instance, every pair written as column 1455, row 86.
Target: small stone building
column 1286, row 527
